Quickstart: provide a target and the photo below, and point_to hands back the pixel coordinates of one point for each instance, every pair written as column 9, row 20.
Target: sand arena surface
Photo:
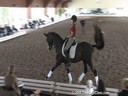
column 33, row 60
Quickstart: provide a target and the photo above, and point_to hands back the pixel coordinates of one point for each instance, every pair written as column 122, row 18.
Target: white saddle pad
column 72, row 50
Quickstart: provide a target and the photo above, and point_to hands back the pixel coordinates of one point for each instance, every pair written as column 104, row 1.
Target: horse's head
column 53, row 39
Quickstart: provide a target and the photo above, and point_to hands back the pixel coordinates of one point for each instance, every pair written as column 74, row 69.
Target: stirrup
column 73, row 43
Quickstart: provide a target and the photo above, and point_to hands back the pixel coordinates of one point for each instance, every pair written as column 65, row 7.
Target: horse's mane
column 56, row 36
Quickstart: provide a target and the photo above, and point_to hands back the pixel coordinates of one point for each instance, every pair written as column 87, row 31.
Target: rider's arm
column 70, row 35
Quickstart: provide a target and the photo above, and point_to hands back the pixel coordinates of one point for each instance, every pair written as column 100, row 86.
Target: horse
column 84, row 52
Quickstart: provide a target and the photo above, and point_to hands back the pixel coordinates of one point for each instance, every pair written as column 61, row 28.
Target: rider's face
column 71, row 21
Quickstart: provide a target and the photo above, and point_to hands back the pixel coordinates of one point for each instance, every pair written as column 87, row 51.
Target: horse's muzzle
column 50, row 48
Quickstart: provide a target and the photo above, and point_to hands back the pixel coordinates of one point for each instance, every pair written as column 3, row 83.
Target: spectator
column 9, row 30
column 124, row 91
column 2, row 33
column 11, row 87
column 39, row 93
column 42, row 22
column 89, row 89
column 11, row 79
column 100, row 89
column 82, row 22
column 52, row 19
column 14, row 28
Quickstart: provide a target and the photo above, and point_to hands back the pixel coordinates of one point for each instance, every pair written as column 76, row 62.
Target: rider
column 70, row 38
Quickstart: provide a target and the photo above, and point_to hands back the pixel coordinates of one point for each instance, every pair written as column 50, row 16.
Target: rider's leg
column 67, row 59
column 67, row 53
column 70, row 43
column 74, row 41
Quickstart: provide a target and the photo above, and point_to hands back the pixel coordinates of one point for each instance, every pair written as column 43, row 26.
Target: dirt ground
column 33, row 60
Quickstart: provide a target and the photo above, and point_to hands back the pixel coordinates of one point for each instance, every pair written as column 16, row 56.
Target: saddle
column 71, row 51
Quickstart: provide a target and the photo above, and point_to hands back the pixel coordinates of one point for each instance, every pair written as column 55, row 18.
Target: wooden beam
column 46, row 2
column 57, row 2
column 28, row 2
column 64, row 4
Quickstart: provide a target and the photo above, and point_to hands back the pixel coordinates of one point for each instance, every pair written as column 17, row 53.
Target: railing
column 55, row 87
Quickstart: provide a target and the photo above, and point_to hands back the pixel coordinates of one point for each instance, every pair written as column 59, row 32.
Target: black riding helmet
column 74, row 18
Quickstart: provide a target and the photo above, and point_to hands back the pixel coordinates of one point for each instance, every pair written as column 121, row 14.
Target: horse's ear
column 45, row 34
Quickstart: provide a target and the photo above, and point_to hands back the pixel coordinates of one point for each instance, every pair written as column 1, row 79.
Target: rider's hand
column 66, row 38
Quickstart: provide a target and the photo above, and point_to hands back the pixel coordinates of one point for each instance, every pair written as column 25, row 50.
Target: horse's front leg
column 69, row 75
column 53, row 68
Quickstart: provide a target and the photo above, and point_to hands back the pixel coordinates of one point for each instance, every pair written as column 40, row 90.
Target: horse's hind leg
column 94, row 71
column 85, row 71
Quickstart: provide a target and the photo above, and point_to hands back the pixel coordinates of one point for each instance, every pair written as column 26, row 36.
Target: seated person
column 39, row 93
column 82, row 23
column 89, row 89
column 124, row 91
column 11, row 86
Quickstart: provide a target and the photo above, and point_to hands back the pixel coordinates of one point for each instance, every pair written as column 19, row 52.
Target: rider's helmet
column 74, row 18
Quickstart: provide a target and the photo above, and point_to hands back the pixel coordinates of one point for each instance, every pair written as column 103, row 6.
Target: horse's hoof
column 70, row 82
column 67, row 67
column 46, row 78
column 79, row 82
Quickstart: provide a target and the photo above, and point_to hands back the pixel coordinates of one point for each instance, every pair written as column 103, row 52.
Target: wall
column 37, row 3
column 99, row 3
column 12, row 3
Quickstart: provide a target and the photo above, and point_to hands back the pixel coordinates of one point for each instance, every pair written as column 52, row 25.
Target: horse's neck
column 59, row 47
column 58, row 43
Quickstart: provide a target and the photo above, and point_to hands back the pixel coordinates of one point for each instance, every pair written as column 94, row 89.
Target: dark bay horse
column 84, row 52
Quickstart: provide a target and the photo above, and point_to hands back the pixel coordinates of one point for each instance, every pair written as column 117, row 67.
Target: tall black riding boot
column 74, row 42
column 67, row 59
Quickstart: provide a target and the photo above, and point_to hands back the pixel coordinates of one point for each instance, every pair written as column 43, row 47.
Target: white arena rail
column 72, row 89
column 68, row 89
column 46, row 86
column 56, row 87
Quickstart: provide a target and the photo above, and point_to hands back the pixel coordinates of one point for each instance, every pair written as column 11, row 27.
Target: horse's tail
column 99, row 38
